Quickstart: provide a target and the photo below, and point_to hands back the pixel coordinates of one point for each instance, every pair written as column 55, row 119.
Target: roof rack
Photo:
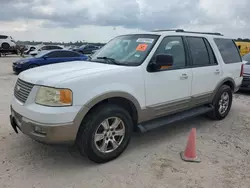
column 182, row 30
column 161, row 30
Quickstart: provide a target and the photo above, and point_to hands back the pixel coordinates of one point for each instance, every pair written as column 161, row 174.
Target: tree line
column 242, row 40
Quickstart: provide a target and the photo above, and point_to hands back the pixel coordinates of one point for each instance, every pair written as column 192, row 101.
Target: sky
column 101, row 20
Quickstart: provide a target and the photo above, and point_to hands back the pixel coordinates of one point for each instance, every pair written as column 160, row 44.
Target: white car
column 45, row 48
column 136, row 82
column 6, row 42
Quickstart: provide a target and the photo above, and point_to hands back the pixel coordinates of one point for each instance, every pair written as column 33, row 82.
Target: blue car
column 46, row 58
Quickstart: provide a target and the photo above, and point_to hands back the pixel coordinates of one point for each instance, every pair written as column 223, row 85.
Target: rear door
column 207, row 72
column 231, row 57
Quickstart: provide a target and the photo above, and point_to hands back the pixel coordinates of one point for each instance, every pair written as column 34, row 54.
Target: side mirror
column 161, row 61
column 45, row 57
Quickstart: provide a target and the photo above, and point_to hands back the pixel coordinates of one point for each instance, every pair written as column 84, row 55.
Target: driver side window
column 173, row 46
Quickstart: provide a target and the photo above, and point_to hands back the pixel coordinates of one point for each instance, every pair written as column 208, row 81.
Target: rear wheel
column 222, row 103
column 105, row 133
column 5, row 45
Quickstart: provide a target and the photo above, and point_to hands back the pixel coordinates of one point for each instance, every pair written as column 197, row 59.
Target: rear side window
column 199, row 52
column 55, row 54
column 45, row 48
column 228, row 50
column 69, row 54
column 56, row 47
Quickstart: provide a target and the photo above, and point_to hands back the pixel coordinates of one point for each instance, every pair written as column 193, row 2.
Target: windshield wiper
column 110, row 60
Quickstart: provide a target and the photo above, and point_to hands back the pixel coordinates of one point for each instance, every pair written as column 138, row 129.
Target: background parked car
column 246, row 76
column 86, row 49
column 46, row 58
column 29, row 49
column 6, row 42
column 45, row 48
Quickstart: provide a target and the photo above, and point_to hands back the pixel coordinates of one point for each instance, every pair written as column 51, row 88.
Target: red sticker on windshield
column 141, row 47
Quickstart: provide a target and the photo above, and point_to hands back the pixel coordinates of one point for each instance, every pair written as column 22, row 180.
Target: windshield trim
column 157, row 36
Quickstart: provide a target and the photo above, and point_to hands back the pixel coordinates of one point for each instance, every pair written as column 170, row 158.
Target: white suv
column 135, row 82
column 45, row 48
column 6, row 42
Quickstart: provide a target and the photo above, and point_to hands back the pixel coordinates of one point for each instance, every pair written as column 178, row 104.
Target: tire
column 92, row 124
column 218, row 112
column 5, row 45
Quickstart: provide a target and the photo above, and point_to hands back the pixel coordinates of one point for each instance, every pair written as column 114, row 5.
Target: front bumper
column 17, row 69
column 50, row 134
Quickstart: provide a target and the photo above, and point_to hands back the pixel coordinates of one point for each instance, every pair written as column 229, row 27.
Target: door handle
column 184, row 76
column 217, row 71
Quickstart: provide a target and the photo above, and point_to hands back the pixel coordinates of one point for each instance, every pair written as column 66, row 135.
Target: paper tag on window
column 145, row 40
column 141, row 47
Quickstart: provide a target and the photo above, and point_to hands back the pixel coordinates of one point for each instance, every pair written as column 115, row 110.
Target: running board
column 159, row 122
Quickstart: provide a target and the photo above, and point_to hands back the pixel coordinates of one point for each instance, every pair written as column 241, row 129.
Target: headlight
column 22, row 62
column 54, row 97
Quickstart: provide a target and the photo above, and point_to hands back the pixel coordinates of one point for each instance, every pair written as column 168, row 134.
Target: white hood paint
column 56, row 73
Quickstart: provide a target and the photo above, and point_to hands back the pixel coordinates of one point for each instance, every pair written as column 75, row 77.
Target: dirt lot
column 151, row 160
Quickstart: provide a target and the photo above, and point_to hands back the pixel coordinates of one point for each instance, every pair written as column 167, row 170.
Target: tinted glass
column 45, row 48
column 55, row 54
column 172, row 46
column 57, row 47
column 198, row 51
column 127, row 49
column 212, row 57
column 3, row 37
column 228, row 50
column 246, row 58
column 53, row 47
column 41, row 54
column 82, row 46
column 69, row 54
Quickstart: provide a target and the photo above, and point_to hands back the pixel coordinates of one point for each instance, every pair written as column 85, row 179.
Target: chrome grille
column 22, row 90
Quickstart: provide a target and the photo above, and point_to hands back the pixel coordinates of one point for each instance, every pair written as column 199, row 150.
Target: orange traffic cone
column 189, row 154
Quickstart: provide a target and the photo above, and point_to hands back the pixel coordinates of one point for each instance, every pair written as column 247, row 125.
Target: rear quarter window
column 228, row 49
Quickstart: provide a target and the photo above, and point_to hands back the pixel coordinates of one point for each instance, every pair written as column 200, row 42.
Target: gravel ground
column 151, row 160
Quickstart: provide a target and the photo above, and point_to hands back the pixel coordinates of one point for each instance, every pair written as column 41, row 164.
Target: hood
column 53, row 74
column 25, row 59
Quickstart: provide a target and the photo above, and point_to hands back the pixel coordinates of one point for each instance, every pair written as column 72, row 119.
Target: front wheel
column 105, row 133
column 222, row 103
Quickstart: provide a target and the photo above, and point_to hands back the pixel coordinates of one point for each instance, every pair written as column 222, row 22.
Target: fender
column 85, row 109
column 220, row 84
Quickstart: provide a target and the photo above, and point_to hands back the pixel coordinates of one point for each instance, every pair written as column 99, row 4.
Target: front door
column 169, row 90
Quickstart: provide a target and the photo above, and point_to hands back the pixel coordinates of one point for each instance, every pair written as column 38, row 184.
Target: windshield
column 247, row 58
column 130, row 50
column 82, row 46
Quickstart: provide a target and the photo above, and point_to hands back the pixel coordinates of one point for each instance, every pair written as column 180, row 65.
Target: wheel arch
column 227, row 81
column 123, row 99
